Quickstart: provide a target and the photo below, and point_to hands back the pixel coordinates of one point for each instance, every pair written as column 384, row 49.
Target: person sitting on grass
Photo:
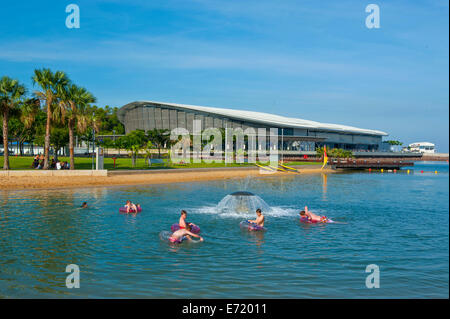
column 259, row 219
column 35, row 163
column 183, row 234
column 53, row 164
column 312, row 217
column 131, row 208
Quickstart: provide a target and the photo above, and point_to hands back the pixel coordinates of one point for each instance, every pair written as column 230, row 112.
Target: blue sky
column 309, row 59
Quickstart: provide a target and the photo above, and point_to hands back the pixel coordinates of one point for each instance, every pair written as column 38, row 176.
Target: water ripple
column 397, row 221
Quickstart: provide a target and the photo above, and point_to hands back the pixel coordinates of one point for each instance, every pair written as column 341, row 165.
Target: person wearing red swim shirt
column 131, row 208
column 182, row 222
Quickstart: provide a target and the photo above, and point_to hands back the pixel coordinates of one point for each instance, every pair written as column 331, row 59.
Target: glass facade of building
column 147, row 116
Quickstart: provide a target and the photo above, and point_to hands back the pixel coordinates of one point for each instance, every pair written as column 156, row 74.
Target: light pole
column 93, row 141
column 226, row 143
column 114, row 139
column 282, row 143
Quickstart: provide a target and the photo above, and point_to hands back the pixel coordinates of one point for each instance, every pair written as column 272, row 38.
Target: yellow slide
column 290, row 169
column 277, row 169
column 265, row 167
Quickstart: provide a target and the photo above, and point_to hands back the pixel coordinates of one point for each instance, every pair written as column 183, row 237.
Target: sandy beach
column 143, row 177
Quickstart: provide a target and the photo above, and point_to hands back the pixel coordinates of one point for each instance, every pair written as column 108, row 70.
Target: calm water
column 399, row 222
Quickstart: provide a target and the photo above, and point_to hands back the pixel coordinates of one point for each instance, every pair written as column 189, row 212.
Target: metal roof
column 260, row 117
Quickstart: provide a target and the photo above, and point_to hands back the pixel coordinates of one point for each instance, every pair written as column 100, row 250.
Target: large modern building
column 295, row 134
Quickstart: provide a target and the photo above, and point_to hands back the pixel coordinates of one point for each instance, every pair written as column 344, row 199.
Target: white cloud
column 176, row 53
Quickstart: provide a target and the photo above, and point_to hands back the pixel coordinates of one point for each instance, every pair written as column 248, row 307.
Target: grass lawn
column 24, row 163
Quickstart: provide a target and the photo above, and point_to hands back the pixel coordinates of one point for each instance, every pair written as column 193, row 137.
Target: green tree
column 91, row 125
column 73, row 103
column 334, row 153
column 59, row 138
column 23, row 125
column 393, row 142
column 159, row 138
column 107, row 120
column 11, row 94
column 148, row 152
column 51, row 84
column 119, row 144
column 134, row 142
column 114, row 125
column 106, row 143
column 38, row 128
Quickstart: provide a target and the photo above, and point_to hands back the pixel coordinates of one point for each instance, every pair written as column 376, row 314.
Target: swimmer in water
column 84, row 205
column 182, row 222
column 259, row 219
column 177, row 236
column 130, row 207
column 312, row 217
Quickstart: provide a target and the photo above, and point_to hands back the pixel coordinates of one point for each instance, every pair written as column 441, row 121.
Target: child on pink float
column 312, row 217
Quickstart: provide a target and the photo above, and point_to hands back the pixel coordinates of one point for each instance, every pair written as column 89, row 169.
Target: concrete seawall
column 60, row 173
column 435, row 157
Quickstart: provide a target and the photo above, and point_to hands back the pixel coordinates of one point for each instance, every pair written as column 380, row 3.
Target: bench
column 155, row 161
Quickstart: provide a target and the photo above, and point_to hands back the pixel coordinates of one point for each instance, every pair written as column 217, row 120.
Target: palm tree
column 28, row 111
column 11, row 93
column 73, row 103
column 51, row 85
column 134, row 142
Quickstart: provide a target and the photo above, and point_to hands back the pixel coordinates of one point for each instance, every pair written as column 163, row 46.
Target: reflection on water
column 119, row 255
column 324, row 187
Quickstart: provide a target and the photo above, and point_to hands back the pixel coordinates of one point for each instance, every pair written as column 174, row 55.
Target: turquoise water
column 399, row 222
